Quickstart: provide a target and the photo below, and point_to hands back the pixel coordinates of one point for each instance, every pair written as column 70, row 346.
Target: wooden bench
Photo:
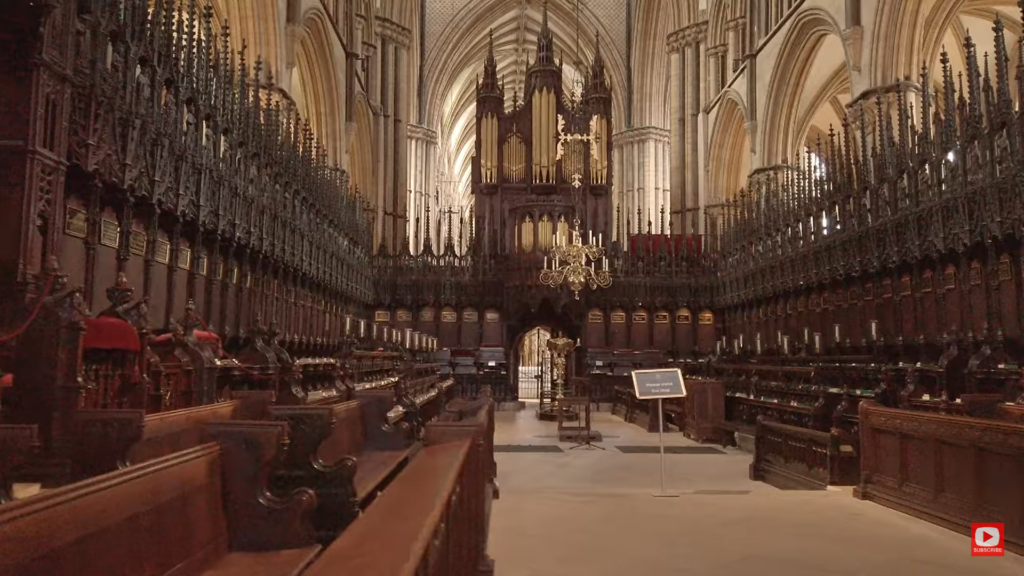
column 346, row 453
column 419, row 527
column 201, row 511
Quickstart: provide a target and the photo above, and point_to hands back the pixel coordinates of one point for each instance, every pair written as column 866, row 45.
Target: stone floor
column 592, row 513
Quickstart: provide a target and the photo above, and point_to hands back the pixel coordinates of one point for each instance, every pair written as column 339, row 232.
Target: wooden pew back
column 948, row 469
column 176, row 514
column 152, row 518
column 109, row 439
column 416, row 528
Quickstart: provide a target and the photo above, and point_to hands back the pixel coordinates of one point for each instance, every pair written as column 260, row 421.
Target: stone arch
column 809, row 55
column 317, row 83
column 730, row 140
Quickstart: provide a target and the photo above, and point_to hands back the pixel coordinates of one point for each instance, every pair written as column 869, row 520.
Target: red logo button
column 987, row 539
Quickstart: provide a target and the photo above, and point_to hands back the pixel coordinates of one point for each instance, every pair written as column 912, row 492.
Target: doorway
column 533, row 372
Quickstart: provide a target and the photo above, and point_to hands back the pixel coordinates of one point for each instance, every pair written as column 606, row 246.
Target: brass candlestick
column 560, row 348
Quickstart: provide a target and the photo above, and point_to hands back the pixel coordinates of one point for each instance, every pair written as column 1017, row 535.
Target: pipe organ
column 543, row 160
column 514, row 154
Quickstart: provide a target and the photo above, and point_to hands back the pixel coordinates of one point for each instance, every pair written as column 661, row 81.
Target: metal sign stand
column 661, row 449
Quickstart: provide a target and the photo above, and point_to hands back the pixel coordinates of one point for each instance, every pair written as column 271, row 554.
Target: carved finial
column 120, row 294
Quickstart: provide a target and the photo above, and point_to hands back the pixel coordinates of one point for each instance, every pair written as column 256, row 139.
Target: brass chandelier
column 576, row 263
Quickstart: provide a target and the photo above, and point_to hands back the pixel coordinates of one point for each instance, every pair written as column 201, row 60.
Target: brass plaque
column 427, row 315
column 949, row 279
column 382, row 316
column 905, row 287
column 683, row 317
column 449, row 316
column 137, row 242
column 661, row 317
column 639, row 317
column 886, row 288
column 470, row 316
column 869, row 291
column 404, row 316
column 109, row 233
column 975, row 274
column 75, row 223
column 184, row 258
column 1004, row 268
column 595, row 317
column 618, row 318
column 163, row 251
column 705, row 318
column 491, row 317
column 203, row 263
column 926, row 281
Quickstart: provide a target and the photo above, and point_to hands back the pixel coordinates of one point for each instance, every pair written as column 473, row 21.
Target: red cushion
column 107, row 333
column 6, row 380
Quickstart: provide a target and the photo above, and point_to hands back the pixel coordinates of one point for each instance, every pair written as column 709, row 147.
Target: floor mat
column 526, row 448
column 669, row 450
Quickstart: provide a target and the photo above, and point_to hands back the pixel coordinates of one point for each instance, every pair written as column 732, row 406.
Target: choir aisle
column 591, row 513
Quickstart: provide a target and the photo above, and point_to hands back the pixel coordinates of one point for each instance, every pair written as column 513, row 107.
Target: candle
column 600, row 240
column 735, row 346
column 836, row 329
column 718, row 347
column 817, row 342
column 545, row 262
column 604, row 262
column 759, row 344
column 778, row 337
column 785, row 344
column 807, row 335
column 874, row 329
column 741, row 340
column 590, row 236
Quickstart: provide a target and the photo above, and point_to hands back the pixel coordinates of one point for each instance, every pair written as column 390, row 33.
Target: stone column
column 401, row 148
column 422, row 144
column 676, row 126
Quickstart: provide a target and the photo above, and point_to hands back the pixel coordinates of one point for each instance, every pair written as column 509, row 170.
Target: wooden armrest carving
column 380, row 435
column 257, row 519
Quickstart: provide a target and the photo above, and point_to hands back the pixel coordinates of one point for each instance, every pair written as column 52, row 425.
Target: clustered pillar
column 392, row 136
column 687, row 48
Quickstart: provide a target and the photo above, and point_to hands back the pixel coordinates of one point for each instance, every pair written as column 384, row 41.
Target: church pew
column 201, row 511
column 791, row 457
column 419, row 526
column 346, row 453
column 948, row 469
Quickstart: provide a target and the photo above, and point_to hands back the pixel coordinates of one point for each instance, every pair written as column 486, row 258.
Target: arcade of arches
column 362, row 286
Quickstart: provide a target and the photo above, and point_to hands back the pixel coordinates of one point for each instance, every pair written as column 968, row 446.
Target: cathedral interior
column 279, row 271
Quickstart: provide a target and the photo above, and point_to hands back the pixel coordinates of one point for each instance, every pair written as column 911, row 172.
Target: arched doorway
column 533, row 363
